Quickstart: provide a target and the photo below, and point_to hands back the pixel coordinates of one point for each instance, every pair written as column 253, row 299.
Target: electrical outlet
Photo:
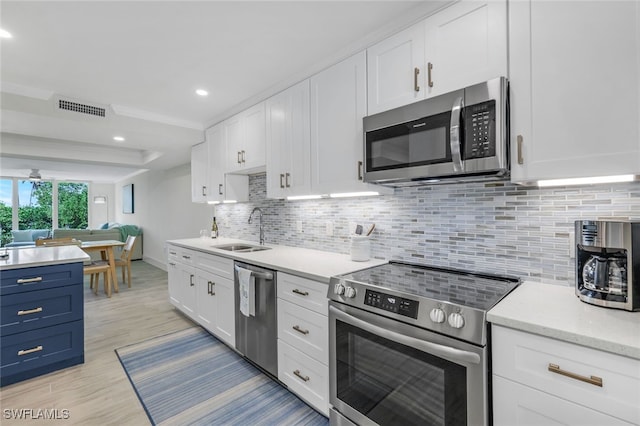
column 298, row 226
column 329, row 228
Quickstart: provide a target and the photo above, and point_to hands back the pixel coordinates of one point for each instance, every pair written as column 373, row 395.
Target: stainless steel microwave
column 458, row 136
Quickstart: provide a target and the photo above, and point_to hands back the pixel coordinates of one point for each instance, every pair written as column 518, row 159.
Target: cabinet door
column 233, row 143
column 288, row 140
column 225, row 325
column 182, row 294
column 395, row 69
column 515, row 404
column 338, row 104
column 199, row 173
column 466, row 44
column 253, row 137
column 174, row 283
column 574, row 78
column 206, row 302
column 216, row 161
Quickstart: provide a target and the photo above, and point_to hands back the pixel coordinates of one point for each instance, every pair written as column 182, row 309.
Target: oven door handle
column 455, row 355
column 454, row 135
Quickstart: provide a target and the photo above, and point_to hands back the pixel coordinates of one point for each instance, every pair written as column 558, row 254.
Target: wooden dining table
column 105, row 247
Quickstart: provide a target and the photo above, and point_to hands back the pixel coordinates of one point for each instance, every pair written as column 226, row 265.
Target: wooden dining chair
column 125, row 258
column 95, row 268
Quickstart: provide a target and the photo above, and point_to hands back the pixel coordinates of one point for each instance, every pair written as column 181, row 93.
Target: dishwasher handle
column 258, row 274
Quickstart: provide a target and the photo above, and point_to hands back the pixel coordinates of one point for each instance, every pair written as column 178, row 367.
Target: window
column 35, row 205
column 72, row 205
column 6, row 189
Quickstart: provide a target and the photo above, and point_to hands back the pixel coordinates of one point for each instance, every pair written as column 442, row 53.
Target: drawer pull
column 592, row 380
column 186, row 257
column 299, row 330
column 30, row 311
column 210, row 288
column 29, row 280
column 301, row 293
column 30, row 351
column 304, row 378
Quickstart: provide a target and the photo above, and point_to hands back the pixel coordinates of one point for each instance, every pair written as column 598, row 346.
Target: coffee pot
column 604, row 274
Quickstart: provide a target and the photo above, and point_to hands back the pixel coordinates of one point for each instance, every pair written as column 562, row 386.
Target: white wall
column 163, row 208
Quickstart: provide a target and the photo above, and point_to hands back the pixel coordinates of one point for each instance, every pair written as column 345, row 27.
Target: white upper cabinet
column 245, row 140
column 466, row 44
column 288, row 171
column 396, row 70
column 199, row 173
column 222, row 186
column 575, row 93
column 338, row 105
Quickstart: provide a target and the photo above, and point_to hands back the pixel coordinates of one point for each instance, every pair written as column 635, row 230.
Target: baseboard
column 158, row 264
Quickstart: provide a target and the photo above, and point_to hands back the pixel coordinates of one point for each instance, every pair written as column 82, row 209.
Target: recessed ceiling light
column 118, row 138
column 202, row 92
column 5, row 34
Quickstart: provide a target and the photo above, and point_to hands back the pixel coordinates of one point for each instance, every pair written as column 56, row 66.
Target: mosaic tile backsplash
column 490, row 227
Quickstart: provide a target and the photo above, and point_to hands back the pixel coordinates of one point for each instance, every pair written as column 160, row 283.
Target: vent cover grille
column 82, row 108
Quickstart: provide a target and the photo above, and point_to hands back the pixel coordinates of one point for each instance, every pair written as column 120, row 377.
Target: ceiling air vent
column 82, row 108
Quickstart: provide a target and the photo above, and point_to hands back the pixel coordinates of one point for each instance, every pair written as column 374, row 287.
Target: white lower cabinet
column 303, row 339
column 539, row 380
column 201, row 286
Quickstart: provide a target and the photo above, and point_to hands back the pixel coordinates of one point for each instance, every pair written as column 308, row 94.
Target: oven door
column 384, row 372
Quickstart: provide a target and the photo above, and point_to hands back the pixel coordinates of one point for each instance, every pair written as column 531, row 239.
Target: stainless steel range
column 408, row 345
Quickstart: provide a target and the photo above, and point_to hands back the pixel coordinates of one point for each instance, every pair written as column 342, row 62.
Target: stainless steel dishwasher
column 257, row 330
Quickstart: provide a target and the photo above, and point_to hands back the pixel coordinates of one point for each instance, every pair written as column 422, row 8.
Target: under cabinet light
column 229, row 201
column 586, row 180
column 354, row 194
column 118, row 138
column 304, row 197
column 213, row 202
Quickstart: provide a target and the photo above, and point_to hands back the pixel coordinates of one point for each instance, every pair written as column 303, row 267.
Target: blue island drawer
column 40, row 277
column 21, row 312
column 32, row 353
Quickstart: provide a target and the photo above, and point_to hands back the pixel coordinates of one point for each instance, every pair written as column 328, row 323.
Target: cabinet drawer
column 182, row 255
column 303, row 329
column 40, row 277
column 222, row 266
column 173, row 253
column 307, row 293
column 515, row 405
column 32, row 350
column 525, row 358
column 304, row 376
column 36, row 309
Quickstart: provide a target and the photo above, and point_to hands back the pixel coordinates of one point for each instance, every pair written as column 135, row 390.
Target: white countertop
column 313, row 264
column 28, row 257
column 555, row 311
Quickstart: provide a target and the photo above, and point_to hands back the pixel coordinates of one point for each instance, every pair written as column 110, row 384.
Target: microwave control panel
column 395, row 304
column 480, row 130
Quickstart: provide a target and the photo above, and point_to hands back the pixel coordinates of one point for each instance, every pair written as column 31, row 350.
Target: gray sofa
column 27, row 237
column 114, row 233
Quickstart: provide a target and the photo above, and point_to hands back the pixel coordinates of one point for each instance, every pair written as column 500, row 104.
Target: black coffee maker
column 608, row 263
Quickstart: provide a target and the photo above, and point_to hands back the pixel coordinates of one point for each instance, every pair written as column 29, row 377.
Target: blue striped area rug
column 191, row 378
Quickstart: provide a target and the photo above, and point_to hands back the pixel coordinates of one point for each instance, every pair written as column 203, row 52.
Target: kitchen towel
column 247, row 287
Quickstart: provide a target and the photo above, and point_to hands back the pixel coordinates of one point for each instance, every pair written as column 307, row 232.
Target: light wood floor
column 98, row 392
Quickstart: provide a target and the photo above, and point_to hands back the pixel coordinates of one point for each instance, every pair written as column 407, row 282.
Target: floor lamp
column 102, row 199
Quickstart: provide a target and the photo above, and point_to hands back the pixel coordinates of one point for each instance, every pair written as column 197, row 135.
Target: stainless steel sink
column 241, row 248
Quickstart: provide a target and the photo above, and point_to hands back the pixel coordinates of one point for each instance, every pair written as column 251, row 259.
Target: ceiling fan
column 35, row 175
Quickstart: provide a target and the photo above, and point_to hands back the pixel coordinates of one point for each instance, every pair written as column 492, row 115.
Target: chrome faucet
column 257, row 209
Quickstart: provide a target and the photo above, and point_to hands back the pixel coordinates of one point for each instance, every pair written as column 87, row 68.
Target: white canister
column 360, row 248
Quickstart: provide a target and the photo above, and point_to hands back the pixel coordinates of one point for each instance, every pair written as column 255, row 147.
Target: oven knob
column 338, row 289
column 350, row 292
column 456, row 320
column 437, row 315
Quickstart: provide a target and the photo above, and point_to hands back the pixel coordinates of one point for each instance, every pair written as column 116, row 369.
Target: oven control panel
column 395, row 304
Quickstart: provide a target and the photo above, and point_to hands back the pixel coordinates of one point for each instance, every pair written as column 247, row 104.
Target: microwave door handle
column 455, row 355
column 456, row 156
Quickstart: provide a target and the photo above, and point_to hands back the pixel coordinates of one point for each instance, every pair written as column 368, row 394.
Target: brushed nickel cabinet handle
column 210, row 285
column 281, row 180
column 204, row 191
column 429, row 80
column 592, row 380
column 286, row 180
column 191, row 283
column 416, row 71
column 520, row 141
column 304, row 378
column 299, row 330
column 172, row 264
column 29, row 280
column 239, row 158
column 30, row 311
column 220, row 189
column 360, row 170
column 301, row 293
column 186, row 257
column 243, row 159
column 30, row 351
